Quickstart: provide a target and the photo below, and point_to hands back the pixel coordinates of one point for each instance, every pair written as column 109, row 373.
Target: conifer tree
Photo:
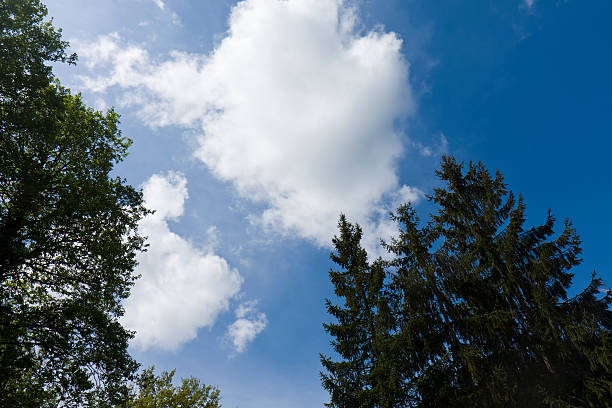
column 478, row 310
column 361, row 378
column 368, row 375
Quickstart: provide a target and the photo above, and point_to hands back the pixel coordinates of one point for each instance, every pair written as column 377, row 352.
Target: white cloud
column 296, row 108
column 162, row 6
column 249, row 323
column 432, row 151
column 182, row 288
column 529, row 3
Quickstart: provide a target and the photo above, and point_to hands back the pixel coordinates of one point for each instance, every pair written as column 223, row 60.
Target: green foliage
column 151, row 391
column 68, row 229
column 361, row 334
column 470, row 311
column 27, row 44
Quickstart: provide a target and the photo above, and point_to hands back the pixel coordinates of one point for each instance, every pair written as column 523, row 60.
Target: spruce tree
column 367, row 376
column 478, row 309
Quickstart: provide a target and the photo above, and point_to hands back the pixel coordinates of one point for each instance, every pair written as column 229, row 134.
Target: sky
column 257, row 122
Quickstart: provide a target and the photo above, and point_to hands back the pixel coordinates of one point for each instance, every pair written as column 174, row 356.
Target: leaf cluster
column 151, row 391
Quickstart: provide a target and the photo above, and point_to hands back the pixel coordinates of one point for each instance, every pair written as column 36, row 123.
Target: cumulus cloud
column 249, row 323
column 297, row 108
column 182, row 287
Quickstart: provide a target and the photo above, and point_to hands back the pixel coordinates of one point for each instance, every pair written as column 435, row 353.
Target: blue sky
column 255, row 123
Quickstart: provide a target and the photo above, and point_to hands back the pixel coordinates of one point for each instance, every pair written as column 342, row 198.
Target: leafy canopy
column 68, row 228
column 471, row 309
column 151, row 391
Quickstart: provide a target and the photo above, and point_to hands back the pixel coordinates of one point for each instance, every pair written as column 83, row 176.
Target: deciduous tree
column 151, row 391
column 68, row 228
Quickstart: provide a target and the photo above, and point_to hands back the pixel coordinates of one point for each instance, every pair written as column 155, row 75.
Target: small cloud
column 529, row 3
column 162, row 6
column 443, row 144
column 407, row 194
column 106, row 54
column 175, row 19
column 432, row 151
column 182, row 287
column 249, row 323
column 212, row 238
column 426, row 151
column 100, row 104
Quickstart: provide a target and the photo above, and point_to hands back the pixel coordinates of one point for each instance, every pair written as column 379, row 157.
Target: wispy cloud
column 248, row 324
column 297, row 108
column 182, row 287
column 432, row 151
column 162, row 6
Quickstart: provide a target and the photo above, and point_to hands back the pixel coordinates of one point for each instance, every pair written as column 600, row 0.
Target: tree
column 362, row 329
column 151, row 391
column 472, row 306
column 68, row 228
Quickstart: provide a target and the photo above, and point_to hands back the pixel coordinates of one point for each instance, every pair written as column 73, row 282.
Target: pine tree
column 477, row 308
